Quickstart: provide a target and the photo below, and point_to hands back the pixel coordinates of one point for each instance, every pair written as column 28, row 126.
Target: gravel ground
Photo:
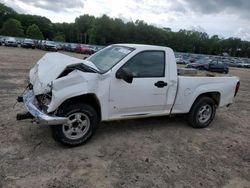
column 152, row 152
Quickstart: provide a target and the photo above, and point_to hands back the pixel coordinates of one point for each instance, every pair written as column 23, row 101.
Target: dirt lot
column 154, row 152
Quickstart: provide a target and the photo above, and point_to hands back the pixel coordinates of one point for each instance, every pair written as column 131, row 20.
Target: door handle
column 161, row 84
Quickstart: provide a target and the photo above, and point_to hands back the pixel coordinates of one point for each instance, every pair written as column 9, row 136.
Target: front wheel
column 202, row 112
column 81, row 125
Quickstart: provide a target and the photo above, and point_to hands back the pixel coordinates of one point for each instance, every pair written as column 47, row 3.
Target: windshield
column 28, row 40
column 50, row 42
column 11, row 39
column 109, row 57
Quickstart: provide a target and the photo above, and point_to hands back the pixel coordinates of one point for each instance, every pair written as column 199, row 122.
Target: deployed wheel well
column 213, row 95
column 89, row 99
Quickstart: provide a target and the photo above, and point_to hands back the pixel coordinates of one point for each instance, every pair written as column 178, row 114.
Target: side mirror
column 85, row 57
column 125, row 74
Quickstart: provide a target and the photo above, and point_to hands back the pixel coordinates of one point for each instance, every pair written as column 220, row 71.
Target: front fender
column 74, row 84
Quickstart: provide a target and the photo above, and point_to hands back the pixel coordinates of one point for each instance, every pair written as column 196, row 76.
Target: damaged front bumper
column 30, row 103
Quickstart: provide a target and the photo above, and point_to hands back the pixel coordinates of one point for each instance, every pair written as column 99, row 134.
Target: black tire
column 58, row 130
column 194, row 116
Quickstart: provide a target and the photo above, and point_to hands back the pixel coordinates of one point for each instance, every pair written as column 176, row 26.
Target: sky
column 226, row 18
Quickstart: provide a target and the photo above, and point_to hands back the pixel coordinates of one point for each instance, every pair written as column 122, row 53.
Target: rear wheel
column 81, row 125
column 202, row 112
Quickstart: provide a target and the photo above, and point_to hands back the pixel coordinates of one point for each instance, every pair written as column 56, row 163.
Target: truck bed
column 190, row 87
column 199, row 73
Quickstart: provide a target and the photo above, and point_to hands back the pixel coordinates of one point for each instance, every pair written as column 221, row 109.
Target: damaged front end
column 53, row 79
column 36, row 112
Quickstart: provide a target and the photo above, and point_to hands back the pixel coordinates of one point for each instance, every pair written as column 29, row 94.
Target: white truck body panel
column 141, row 97
column 121, row 100
column 48, row 69
column 187, row 92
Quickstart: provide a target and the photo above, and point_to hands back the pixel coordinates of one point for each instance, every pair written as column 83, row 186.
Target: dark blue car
column 212, row 66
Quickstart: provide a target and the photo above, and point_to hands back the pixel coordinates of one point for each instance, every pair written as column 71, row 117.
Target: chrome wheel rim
column 77, row 126
column 204, row 113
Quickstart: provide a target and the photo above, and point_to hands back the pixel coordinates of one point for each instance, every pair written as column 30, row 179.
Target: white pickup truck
column 121, row 81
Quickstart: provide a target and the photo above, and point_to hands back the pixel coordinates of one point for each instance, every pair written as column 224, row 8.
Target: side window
column 147, row 64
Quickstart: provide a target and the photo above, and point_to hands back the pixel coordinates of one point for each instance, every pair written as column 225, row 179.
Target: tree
column 5, row 13
column 100, row 31
column 43, row 23
column 4, row 10
column 12, row 27
column 105, row 30
column 83, row 25
column 214, row 45
column 60, row 37
column 34, row 32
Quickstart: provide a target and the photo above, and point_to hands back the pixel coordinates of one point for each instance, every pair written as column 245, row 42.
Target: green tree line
column 105, row 30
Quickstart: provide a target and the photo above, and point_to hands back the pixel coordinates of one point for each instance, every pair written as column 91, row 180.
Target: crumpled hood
column 49, row 67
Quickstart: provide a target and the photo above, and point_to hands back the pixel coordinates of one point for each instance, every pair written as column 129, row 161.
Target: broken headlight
column 43, row 101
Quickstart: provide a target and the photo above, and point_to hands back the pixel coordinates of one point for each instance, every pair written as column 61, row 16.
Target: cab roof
column 144, row 46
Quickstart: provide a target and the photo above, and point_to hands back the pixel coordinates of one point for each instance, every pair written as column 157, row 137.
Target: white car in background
column 10, row 41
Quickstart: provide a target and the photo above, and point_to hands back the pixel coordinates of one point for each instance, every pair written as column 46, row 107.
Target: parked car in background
column 19, row 41
column 84, row 50
column 10, row 41
column 78, row 48
column 243, row 63
column 49, row 46
column 218, row 66
column 192, row 60
column 28, row 43
column 181, row 61
column 212, row 66
column 229, row 63
column 1, row 40
column 39, row 44
column 59, row 46
column 73, row 47
column 94, row 49
column 67, row 47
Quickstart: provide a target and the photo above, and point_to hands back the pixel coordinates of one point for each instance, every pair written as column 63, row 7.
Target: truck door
column 147, row 93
